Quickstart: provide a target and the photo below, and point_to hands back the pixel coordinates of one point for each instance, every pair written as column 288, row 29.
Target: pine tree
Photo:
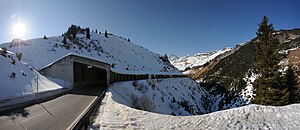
column 64, row 40
column 73, row 30
column 88, row 35
column 128, row 40
column 270, row 86
column 291, row 82
column 3, row 52
column 96, row 31
column 45, row 37
column 19, row 56
column 105, row 34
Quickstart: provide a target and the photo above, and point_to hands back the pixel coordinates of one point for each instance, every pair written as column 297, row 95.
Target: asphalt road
column 56, row 114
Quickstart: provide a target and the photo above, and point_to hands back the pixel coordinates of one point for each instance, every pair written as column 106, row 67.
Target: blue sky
column 163, row 26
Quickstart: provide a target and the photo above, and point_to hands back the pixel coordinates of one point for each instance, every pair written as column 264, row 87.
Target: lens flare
column 19, row 30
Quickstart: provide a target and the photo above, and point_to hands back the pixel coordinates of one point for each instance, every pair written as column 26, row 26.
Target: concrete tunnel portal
column 88, row 75
column 79, row 71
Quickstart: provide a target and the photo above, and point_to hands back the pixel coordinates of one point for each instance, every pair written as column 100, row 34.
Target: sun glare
column 19, row 30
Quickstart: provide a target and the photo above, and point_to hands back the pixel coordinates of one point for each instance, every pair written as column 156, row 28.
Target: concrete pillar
column 107, row 77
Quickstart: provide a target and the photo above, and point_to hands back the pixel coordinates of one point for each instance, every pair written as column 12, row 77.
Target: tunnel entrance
column 88, row 76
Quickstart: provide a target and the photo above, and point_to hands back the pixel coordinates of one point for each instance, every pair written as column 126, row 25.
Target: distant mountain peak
column 173, row 57
column 194, row 60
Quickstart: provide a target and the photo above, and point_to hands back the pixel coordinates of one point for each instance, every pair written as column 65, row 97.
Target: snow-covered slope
column 176, row 96
column 113, row 115
column 195, row 60
column 124, row 56
column 25, row 80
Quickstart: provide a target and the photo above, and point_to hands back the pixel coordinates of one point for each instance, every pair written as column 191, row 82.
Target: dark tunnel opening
column 86, row 75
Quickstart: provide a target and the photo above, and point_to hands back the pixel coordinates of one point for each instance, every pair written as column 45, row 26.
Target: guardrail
column 84, row 119
column 43, row 97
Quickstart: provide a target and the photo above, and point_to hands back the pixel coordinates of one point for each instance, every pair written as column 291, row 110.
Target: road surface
column 56, row 114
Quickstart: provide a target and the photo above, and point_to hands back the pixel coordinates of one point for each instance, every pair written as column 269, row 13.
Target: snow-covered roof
column 76, row 55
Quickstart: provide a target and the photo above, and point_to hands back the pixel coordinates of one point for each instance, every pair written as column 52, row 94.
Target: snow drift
column 113, row 115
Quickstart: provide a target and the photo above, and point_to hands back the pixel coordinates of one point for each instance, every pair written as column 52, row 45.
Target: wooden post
column 37, row 86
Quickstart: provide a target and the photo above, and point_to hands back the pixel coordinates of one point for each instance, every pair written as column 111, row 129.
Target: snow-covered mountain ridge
column 196, row 60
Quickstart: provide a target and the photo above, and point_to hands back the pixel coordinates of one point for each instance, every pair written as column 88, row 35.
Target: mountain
column 125, row 56
column 230, row 79
column 172, row 57
column 192, row 62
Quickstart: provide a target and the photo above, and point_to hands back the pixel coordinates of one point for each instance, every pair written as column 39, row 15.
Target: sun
column 19, row 30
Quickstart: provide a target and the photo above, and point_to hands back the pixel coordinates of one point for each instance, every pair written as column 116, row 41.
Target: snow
column 25, row 81
column 173, row 57
column 125, row 56
column 247, row 93
column 167, row 95
column 286, row 51
column 195, row 60
column 113, row 115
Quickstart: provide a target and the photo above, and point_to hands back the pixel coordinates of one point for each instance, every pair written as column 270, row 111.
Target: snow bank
column 113, row 115
column 25, row 80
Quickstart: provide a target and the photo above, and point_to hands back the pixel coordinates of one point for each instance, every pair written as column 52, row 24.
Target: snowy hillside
column 19, row 79
column 124, row 56
column 177, row 96
column 196, row 60
column 113, row 115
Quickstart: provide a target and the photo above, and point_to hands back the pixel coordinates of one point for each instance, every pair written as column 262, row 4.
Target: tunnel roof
column 75, row 55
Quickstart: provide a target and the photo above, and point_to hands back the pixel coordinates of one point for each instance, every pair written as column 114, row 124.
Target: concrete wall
column 62, row 69
column 116, row 77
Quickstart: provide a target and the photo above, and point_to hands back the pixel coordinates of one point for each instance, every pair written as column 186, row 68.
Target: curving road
column 56, row 114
